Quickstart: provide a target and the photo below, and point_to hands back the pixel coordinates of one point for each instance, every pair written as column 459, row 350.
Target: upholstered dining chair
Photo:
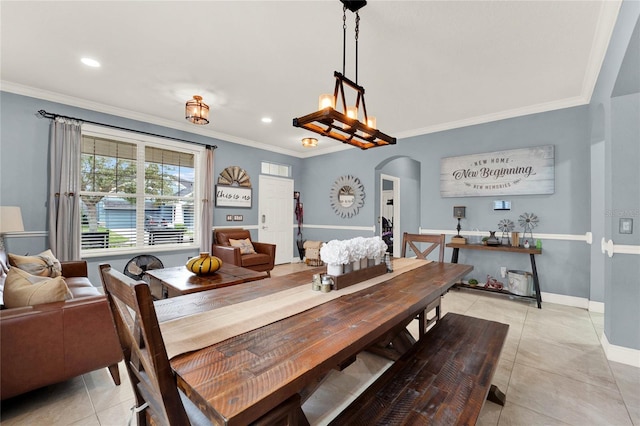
column 434, row 241
column 158, row 399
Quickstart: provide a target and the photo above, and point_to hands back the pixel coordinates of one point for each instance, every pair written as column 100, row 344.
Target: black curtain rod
column 44, row 114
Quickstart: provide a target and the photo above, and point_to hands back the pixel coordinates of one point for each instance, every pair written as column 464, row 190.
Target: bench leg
column 496, row 395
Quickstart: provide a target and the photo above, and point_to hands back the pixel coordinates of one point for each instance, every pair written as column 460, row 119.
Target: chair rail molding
column 341, row 227
column 610, row 248
column 26, row 234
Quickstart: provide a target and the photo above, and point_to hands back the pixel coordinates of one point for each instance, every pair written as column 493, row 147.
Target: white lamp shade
column 10, row 219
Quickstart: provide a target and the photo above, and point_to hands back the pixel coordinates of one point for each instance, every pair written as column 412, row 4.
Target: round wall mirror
column 347, row 196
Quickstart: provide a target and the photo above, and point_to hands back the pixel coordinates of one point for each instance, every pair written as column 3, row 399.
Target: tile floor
column 552, row 369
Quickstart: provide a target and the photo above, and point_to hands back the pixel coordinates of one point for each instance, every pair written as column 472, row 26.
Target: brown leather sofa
column 262, row 261
column 53, row 342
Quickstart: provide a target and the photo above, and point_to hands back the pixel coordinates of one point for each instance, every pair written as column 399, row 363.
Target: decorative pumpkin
column 205, row 264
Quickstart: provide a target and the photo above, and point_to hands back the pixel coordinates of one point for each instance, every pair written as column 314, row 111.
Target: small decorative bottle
column 526, row 243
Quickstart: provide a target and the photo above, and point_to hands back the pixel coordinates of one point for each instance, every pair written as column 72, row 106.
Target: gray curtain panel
column 206, row 219
column 65, row 138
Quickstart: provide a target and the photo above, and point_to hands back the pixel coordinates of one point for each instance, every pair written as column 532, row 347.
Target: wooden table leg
column 536, row 283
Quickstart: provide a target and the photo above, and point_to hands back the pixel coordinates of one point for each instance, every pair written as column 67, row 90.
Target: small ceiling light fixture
column 197, row 111
column 345, row 126
column 90, row 62
column 267, row 120
column 309, row 142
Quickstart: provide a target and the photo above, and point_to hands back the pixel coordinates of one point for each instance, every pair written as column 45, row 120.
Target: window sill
column 89, row 254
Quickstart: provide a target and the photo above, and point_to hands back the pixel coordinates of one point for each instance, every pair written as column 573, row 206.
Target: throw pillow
column 24, row 289
column 245, row 245
column 44, row 264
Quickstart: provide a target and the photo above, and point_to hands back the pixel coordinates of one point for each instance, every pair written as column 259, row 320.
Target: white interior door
column 275, row 215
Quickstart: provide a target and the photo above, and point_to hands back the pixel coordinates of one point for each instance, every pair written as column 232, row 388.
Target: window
column 137, row 193
column 275, row 169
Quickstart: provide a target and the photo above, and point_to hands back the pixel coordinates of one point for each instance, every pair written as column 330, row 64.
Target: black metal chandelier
column 345, row 125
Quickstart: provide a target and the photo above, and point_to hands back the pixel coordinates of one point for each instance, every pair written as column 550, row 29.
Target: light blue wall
column 615, row 137
column 24, row 171
column 564, row 265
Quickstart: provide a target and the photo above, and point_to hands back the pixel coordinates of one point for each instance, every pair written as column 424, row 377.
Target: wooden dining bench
column 443, row 379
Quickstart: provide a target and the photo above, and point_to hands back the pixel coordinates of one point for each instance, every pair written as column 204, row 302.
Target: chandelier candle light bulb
column 326, row 101
column 371, row 122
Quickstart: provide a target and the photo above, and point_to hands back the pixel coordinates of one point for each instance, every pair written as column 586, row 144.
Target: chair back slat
column 144, row 351
column 436, row 241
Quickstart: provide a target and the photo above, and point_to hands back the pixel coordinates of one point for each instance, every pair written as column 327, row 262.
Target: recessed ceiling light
column 266, row 120
column 90, row 62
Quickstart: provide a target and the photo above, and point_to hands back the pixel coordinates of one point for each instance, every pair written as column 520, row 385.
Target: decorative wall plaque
column 234, row 175
column 512, row 172
column 233, row 188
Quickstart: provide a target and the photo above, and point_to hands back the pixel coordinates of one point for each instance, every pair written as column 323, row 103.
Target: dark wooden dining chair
column 434, row 241
column 158, row 399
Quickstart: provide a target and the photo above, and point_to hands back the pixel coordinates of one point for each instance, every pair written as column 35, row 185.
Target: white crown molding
column 503, row 115
column 33, row 92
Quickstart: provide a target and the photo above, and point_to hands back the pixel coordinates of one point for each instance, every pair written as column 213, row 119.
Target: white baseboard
column 561, row 299
column 620, row 354
column 597, row 307
column 576, row 302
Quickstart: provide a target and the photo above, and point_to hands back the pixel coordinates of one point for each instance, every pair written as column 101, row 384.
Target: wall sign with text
column 512, row 172
column 233, row 196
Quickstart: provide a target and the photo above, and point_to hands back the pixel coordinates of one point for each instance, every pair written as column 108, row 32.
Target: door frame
column 397, row 235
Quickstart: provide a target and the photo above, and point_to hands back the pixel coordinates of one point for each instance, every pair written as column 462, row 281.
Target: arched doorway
column 401, row 176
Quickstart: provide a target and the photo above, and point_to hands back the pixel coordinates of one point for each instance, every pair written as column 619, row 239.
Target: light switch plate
column 625, row 226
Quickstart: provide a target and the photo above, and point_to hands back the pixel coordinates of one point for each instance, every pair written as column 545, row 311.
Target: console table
column 530, row 251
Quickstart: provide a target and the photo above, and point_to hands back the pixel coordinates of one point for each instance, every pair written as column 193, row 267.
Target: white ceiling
column 426, row 65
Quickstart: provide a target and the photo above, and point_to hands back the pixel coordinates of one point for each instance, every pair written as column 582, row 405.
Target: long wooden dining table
column 240, row 379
